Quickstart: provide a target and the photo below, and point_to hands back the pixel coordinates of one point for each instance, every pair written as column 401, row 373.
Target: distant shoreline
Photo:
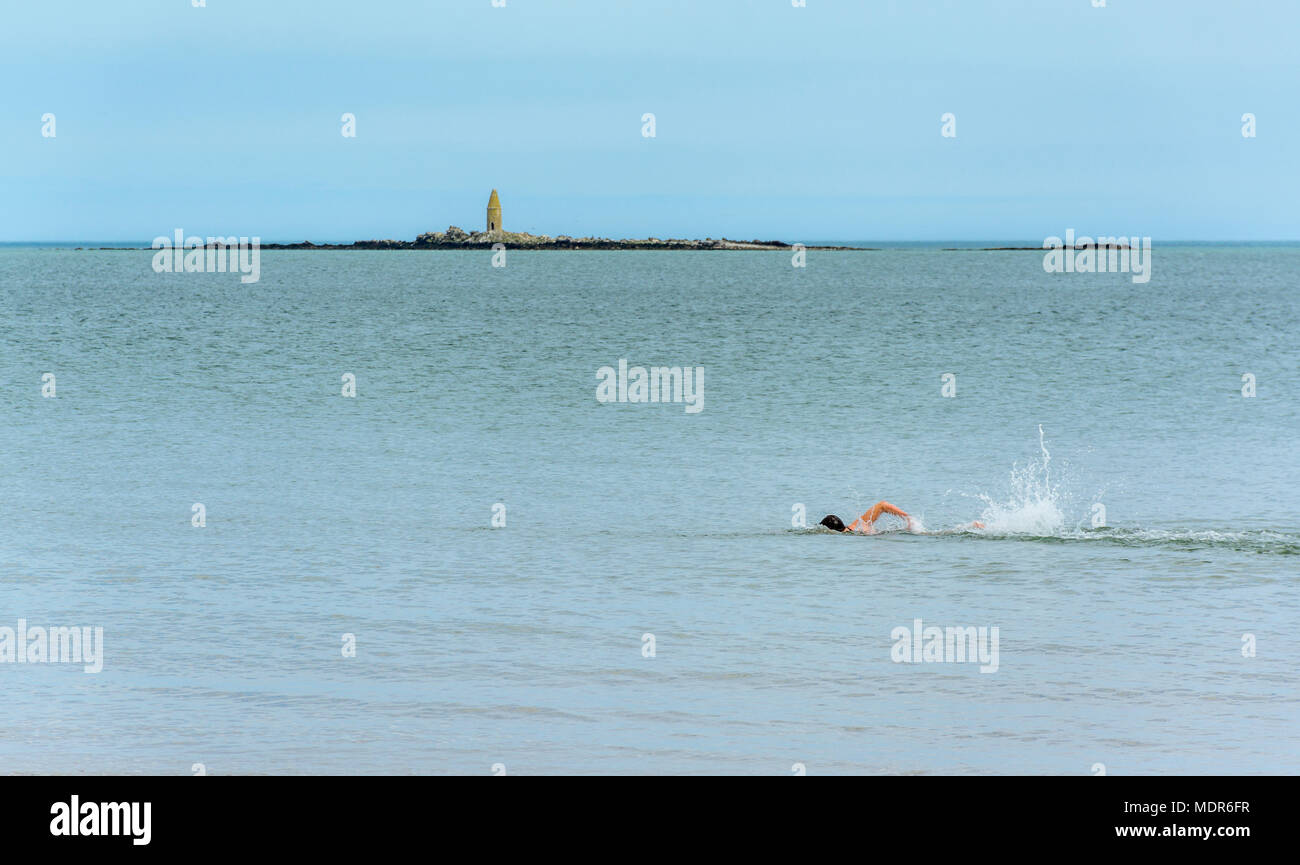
column 600, row 244
column 562, row 243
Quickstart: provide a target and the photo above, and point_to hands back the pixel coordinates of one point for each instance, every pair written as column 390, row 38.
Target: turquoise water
column 523, row 644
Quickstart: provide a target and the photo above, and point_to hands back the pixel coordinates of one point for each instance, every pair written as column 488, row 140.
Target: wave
column 1036, row 506
column 1263, row 541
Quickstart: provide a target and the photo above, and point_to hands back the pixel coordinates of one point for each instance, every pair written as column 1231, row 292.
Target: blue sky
column 820, row 122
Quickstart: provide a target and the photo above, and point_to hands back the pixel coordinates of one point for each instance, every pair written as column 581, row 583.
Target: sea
column 374, row 514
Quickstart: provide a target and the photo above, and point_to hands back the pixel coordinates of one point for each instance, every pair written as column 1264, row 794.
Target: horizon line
column 824, row 240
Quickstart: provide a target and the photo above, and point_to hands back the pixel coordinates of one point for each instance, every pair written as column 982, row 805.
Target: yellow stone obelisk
column 494, row 213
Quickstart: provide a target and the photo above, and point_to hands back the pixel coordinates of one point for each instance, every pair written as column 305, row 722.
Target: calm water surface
column 523, row 645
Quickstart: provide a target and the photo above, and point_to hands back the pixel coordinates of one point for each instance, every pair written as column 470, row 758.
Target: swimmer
column 866, row 524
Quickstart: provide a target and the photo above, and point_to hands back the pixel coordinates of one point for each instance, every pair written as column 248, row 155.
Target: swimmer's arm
column 891, row 509
column 865, row 522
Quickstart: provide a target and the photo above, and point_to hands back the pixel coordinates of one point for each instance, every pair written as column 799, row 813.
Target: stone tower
column 494, row 213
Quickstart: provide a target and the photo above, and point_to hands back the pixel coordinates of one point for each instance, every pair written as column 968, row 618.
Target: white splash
column 1034, row 504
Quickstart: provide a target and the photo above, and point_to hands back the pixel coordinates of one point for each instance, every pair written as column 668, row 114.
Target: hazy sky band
column 772, row 121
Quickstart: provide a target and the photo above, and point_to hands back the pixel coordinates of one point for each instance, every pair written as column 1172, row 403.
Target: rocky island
column 457, row 238
column 493, row 233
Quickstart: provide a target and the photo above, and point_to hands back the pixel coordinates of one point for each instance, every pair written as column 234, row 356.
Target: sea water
column 539, row 581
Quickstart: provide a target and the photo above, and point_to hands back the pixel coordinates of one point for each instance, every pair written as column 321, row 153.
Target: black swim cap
column 833, row 523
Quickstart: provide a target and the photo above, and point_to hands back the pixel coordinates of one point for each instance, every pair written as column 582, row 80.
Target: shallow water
column 523, row 645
